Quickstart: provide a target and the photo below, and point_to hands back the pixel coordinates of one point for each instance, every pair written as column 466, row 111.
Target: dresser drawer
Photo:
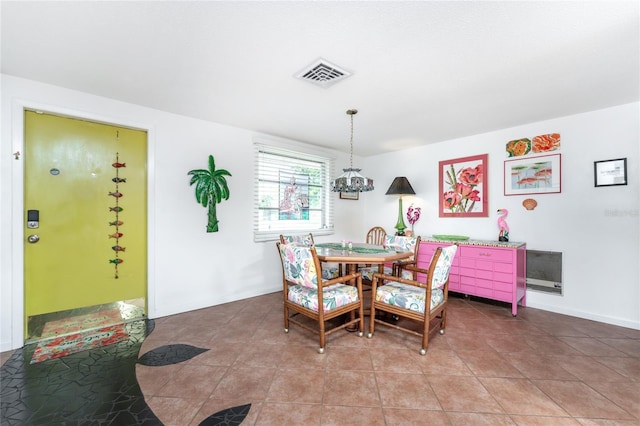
column 486, row 254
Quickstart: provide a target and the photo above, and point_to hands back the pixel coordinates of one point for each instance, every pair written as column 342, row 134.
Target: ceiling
column 422, row 72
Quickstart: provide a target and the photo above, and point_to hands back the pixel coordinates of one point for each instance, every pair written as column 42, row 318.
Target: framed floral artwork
column 464, row 187
column 533, row 175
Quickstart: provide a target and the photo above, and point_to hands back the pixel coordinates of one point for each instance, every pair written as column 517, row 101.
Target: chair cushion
column 303, row 240
column 330, row 270
column 407, row 296
column 334, row 296
column 368, row 271
column 298, row 265
column 441, row 271
column 401, row 242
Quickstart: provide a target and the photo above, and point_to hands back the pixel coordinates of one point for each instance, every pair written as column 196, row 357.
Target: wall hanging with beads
column 117, row 209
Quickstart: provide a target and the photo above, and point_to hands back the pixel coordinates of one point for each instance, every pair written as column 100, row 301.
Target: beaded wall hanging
column 117, row 223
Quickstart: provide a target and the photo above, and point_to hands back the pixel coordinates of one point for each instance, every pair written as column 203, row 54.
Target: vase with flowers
column 413, row 214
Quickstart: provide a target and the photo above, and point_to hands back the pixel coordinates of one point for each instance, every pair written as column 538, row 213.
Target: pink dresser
column 489, row 269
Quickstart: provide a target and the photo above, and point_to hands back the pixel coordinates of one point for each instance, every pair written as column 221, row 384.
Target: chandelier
column 351, row 180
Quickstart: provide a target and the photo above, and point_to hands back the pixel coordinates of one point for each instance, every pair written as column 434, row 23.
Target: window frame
column 289, row 149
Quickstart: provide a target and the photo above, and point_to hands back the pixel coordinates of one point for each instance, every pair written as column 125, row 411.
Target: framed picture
column 349, row 195
column 610, row 172
column 464, row 187
column 533, row 175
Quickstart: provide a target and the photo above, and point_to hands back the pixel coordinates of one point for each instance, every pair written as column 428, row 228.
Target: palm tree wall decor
column 211, row 188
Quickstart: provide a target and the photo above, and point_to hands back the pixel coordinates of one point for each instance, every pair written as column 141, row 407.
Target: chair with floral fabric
column 408, row 298
column 399, row 242
column 329, row 270
column 307, row 293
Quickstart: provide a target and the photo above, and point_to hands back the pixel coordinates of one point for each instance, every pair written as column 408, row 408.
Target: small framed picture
column 610, row 172
column 533, row 175
column 349, row 195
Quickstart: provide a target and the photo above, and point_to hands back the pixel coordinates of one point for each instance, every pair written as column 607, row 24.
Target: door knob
column 33, row 238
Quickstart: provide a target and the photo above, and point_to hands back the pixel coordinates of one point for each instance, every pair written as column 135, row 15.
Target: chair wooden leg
column 425, row 337
column 286, row 319
column 322, row 336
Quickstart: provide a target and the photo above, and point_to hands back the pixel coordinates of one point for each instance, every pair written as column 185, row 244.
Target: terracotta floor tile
column 443, row 362
column 460, row 393
column 544, row 421
column 589, row 369
column 467, row 342
column 267, row 355
column 590, row 346
column 626, row 366
column 406, row 390
column 479, row 419
column 488, row 364
column 624, row 395
column 289, row 414
column 509, row 343
column 175, row 411
column 579, row 400
column 297, row 387
column 395, row 359
column 404, row 417
column 333, row 415
column 521, row 396
column 191, row 381
column 348, row 358
column 631, row 347
column 305, row 357
column 353, row 388
column 251, row 383
column 536, row 366
column 551, row 345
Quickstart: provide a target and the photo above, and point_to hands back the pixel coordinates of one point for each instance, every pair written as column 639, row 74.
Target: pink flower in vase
column 413, row 214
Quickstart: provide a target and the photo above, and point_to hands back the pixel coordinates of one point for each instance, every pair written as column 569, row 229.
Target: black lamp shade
column 400, row 186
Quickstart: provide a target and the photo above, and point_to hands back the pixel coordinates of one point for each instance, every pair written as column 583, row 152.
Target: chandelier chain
column 351, row 155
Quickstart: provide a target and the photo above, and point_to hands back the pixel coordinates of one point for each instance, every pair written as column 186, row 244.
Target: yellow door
column 85, row 214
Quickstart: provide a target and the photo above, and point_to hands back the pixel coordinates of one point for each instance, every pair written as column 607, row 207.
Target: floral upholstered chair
column 398, row 242
column 414, row 300
column 329, row 270
column 307, row 293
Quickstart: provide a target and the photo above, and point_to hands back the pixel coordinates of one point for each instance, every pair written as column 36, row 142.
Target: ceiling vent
column 322, row 73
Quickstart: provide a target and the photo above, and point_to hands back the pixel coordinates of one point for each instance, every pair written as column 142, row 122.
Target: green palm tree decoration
column 211, row 188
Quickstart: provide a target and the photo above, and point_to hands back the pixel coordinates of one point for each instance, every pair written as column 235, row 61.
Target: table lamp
column 400, row 186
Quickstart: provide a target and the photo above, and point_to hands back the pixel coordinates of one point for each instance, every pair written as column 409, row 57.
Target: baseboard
column 586, row 315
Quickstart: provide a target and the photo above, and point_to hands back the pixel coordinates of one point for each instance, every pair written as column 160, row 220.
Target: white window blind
column 292, row 193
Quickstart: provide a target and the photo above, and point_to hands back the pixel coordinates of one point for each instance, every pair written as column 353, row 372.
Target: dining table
column 358, row 254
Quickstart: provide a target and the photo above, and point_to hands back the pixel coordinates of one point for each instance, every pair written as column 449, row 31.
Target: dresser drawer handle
column 485, row 254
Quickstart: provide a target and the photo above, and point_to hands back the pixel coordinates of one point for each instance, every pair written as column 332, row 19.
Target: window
column 291, row 193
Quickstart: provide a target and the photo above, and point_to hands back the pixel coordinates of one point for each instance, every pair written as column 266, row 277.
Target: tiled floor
column 489, row 368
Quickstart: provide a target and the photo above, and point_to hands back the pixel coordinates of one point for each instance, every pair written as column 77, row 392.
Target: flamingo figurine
column 502, row 225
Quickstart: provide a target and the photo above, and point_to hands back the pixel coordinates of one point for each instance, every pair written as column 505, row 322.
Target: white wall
column 188, row 267
column 191, row 269
column 596, row 229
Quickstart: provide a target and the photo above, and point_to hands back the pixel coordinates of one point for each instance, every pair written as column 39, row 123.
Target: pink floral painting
column 464, row 187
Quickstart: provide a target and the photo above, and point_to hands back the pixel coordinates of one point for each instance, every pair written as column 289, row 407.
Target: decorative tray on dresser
column 491, row 269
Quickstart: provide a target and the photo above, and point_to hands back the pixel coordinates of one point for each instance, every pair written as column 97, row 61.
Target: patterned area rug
column 81, row 322
column 78, row 342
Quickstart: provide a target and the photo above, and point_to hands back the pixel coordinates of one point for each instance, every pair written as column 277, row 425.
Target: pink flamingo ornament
column 502, row 225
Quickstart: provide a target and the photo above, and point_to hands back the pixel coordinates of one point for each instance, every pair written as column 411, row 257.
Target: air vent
column 322, row 73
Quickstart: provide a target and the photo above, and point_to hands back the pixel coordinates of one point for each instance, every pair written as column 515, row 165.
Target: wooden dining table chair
column 412, row 300
column 307, row 294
